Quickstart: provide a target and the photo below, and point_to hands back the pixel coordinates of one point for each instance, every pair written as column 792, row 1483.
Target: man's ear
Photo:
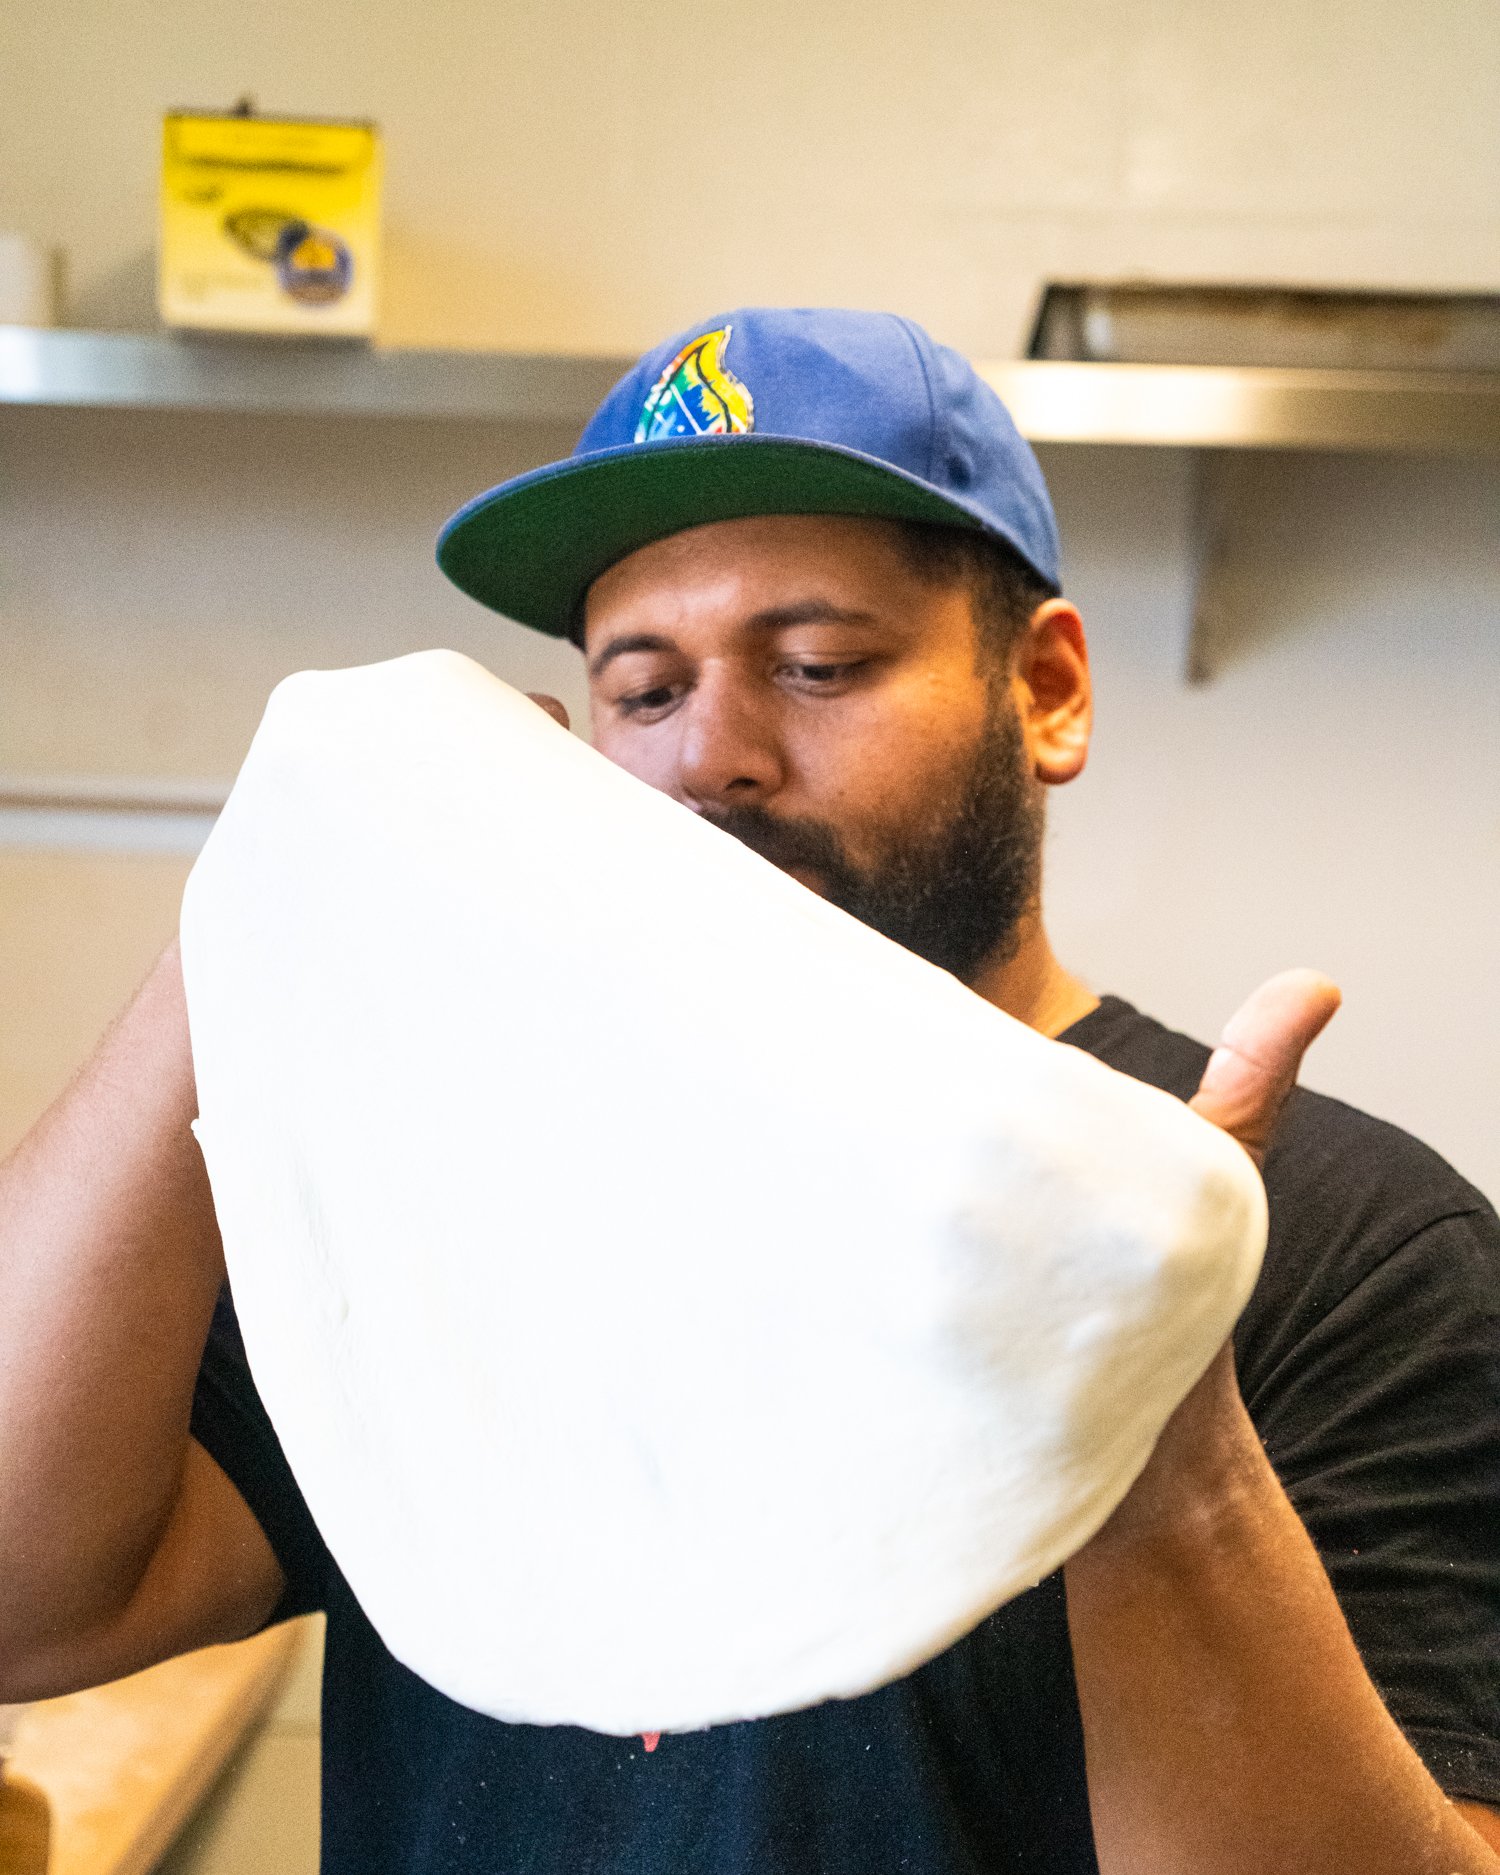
column 1053, row 693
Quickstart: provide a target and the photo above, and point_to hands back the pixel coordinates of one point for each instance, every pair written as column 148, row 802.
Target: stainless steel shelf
column 126, row 370
column 1251, row 407
column 1185, row 406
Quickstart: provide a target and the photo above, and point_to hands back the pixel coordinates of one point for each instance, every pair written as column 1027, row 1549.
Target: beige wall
column 581, row 175
column 77, row 934
column 586, row 177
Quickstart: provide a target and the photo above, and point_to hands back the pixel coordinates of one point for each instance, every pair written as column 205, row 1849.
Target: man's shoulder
column 1369, row 1228
column 1341, row 1183
column 1394, row 1183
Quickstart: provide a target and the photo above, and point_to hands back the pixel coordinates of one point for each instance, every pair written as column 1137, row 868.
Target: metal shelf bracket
column 1217, row 479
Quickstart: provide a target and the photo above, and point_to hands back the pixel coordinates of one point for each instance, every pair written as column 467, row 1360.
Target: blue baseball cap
column 761, row 411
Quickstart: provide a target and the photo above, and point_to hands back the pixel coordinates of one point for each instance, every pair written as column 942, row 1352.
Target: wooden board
column 24, row 1829
column 123, row 1765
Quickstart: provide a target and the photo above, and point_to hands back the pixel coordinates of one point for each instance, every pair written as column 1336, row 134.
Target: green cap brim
column 532, row 547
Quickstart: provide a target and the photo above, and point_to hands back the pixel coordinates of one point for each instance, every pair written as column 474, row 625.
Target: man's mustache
column 786, row 843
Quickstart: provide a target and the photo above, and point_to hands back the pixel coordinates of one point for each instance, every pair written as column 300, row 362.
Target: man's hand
column 1229, row 1724
column 1209, row 1439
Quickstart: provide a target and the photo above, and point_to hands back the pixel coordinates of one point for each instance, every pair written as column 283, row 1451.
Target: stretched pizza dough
column 677, row 1303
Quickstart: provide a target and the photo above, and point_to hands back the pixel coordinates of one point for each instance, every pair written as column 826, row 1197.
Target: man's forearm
column 1229, row 1723
column 109, row 1266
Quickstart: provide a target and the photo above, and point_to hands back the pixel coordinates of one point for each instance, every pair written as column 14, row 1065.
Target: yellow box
column 269, row 225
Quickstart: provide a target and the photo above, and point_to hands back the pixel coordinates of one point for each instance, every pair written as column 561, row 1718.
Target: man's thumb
column 1255, row 1066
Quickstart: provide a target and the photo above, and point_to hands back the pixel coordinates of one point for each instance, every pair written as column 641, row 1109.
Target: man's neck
column 1032, row 985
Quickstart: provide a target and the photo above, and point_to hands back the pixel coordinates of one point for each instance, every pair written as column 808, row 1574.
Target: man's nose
column 730, row 754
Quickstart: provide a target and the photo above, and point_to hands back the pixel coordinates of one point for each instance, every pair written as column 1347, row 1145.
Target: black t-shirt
column 1369, row 1357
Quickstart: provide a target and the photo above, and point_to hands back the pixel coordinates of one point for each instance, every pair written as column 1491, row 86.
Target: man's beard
column 955, row 889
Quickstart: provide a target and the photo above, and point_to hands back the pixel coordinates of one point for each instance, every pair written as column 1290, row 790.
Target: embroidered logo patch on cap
column 697, row 395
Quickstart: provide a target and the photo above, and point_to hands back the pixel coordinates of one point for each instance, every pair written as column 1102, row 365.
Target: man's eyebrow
column 809, row 612
column 622, row 647
column 773, row 618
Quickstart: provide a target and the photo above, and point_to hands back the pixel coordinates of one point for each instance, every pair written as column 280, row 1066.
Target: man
column 813, row 571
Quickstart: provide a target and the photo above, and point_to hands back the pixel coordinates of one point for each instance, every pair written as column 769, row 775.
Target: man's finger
column 1254, row 1068
column 552, row 706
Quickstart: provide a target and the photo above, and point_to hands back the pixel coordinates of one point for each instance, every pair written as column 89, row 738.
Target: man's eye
column 823, row 676
column 643, row 702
